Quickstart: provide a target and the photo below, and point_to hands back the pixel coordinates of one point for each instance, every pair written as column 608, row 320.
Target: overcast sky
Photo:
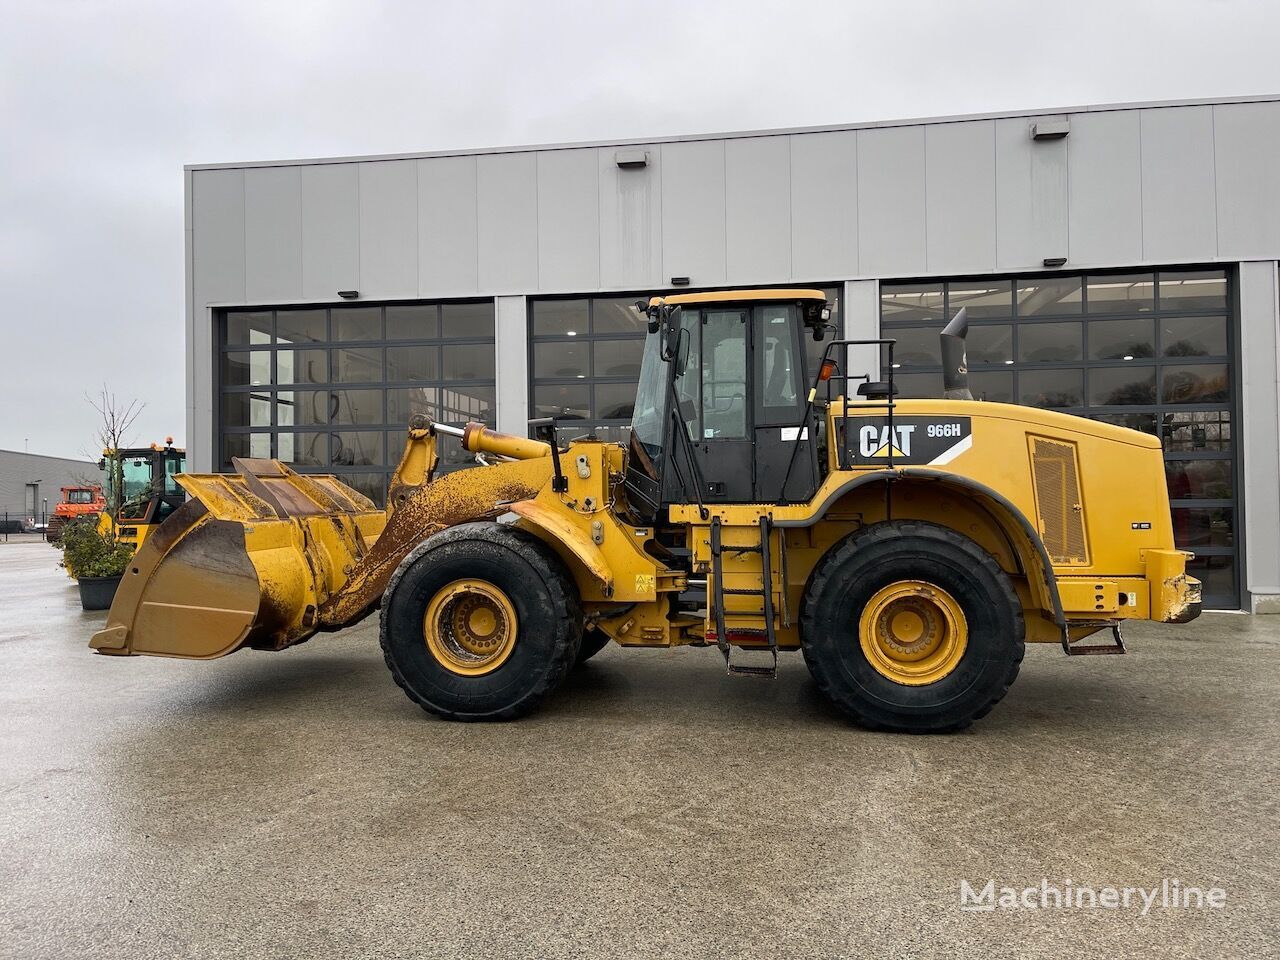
column 101, row 104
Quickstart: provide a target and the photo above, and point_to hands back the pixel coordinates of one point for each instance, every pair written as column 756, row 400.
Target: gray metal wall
column 51, row 473
column 1129, row 186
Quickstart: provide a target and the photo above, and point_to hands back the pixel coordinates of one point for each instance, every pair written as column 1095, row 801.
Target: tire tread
column 564, row 597
column 886, row 532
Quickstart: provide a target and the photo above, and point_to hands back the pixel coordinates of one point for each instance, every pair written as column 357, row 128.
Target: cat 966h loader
column 908, row 548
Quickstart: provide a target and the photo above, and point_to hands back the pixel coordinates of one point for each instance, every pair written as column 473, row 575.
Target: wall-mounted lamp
column 1050, row 129
column 348, row 294
column 679, row 281
column 631, row 159
column 1054, row 261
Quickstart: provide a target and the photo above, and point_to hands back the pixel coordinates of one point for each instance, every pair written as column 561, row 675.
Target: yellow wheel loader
column 908, row 548
column 142, row 490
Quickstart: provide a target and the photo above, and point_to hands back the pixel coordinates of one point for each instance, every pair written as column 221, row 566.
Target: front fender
column 568, row 536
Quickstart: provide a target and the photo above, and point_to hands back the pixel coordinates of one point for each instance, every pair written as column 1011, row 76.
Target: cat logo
column 876, row 441
column 911, row 440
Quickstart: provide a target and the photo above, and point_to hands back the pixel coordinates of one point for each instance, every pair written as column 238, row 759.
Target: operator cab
column 721, row 406
column 141, row 481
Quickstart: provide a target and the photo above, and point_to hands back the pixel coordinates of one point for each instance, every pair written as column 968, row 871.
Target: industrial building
column 1117, row 262
column 31, row 485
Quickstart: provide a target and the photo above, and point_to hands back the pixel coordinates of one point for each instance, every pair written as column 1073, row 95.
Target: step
column 740, row 669
column 1115, row 647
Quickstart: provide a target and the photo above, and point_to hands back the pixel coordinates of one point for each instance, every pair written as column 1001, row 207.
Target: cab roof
column 738, row 296
column 127, row 452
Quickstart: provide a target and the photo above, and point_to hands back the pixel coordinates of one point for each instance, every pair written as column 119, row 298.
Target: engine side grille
column 1061, row 512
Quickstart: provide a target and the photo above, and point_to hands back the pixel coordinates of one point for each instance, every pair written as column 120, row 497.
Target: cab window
column 173, row 464
column 778, row 388
column 724, row 375
column 137, row 478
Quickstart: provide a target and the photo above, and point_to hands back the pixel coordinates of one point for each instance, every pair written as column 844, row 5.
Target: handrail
column 842, row 449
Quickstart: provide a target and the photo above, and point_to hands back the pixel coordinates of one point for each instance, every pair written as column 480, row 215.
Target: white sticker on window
column 790, row 433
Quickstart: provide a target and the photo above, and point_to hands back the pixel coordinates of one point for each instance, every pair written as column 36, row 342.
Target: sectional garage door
column 1152, row 351
column 331, row 389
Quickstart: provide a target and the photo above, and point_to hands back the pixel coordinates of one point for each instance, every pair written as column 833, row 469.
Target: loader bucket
column 246, row 562
column 267, row 557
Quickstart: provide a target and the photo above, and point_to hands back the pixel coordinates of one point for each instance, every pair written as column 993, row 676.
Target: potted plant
column 72, row 534
column 97, row 561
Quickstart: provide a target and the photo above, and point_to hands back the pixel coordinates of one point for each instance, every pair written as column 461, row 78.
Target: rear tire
column 909, row 626
column 480, row 622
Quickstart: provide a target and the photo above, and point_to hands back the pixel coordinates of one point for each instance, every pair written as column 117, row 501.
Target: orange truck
column 76, row 502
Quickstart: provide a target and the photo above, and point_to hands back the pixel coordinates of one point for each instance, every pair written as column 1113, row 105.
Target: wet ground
column 297, row 805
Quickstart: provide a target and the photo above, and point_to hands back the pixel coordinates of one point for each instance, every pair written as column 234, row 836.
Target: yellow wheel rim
column 913, row 632
column 470, row 627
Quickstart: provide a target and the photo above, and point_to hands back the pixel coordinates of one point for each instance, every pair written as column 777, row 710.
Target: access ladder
column 718, row 592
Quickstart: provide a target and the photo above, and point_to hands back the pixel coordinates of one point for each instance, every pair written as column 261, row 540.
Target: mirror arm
column 544, row 428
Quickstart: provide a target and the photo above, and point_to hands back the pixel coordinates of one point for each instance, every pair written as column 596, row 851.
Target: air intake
column 1053, row 467
column 955, row 361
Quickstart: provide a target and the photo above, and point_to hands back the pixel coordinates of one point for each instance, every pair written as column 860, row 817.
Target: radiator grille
column 1058, row 500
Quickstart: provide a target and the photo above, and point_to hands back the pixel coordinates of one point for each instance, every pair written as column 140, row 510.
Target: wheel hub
column 470, row 627
column 913, row 633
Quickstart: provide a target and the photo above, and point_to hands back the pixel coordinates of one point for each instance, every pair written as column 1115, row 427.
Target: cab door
column 715, row 405
column 784, row 451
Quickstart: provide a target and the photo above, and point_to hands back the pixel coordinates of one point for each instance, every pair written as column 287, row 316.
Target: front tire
column 909, row 626
column 593, row 641
column 480, row 622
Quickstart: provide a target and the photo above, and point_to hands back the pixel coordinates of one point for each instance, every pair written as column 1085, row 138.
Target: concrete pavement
column 297, row 805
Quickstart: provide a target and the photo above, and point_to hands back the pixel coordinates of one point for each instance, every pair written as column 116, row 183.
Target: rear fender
column 1014, row 526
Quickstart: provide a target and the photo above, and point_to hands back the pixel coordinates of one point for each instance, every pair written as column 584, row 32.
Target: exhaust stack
column 955, row 362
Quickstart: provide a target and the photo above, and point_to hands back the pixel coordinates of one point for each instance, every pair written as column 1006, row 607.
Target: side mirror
column 682, row 351
column 671, row 332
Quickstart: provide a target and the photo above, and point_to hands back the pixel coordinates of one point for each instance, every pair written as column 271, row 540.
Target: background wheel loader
column 908, row 548
column 141, row 491
column 76, row 502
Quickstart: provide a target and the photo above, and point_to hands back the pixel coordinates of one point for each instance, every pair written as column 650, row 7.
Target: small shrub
column 76, row 529
column 75, row 532
column 88, row 553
